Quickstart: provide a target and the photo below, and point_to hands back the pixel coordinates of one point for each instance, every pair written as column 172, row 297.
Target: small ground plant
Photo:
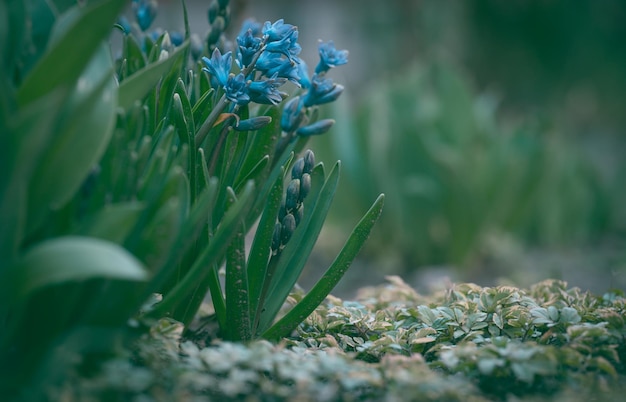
column 466, row 343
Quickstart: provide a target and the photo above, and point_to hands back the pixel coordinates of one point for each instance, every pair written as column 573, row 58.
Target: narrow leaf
column 137, row 86
column 332, row 276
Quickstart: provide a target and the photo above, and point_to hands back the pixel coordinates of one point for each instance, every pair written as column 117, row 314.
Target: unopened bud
column 292, row 115
column 293, row 195
column 252, row 124
column 289, row 226
column 297, row 169
column 309, row 161
column 317, row 128
column 305, row 185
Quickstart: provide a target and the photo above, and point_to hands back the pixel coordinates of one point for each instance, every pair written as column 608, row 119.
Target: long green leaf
column 297, row 251
column 137, row 86
column 236, row 289
column 333, row 275
column 113, row 222
column 86, row 126
column 72, row 258
column 21, row 145
column 261, row 245
column 67, row 56
column 210, row 256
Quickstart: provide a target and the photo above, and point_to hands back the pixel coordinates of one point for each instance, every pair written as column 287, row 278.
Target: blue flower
column 303, row 75
column 273, row 64
column 323, row 90
column 266, row 91
column 236, row 89
column 287, row 45
column 145, row 12
column 278, row 30
column 292, row 115
column 249, row 45
column 218, row 66
column 250, row 25
column 330, row 57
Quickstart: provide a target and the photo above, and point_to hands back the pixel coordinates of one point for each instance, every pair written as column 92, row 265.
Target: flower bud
column 317, row 128
column 289, row 226
column 305, row 186
column 297, row 169
column 292, row 115
column 293, row 195
column 213, row 11
column 252, row 124
column 309, row 161
column 166, row 43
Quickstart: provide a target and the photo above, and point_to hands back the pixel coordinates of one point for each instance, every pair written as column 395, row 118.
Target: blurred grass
column 455, row 174
column 495, row 128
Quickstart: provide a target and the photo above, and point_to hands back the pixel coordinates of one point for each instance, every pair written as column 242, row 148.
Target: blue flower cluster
column 267, row 57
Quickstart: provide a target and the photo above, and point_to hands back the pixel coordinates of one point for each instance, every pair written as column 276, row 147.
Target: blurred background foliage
column 495, row 128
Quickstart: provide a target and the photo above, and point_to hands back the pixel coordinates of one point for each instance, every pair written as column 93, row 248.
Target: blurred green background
column 495, row 128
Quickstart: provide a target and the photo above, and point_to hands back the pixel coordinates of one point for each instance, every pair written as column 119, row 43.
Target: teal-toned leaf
column 332, row 276
column 71, row 258
column 137, row 86
column 66, row 57
column 81, row 138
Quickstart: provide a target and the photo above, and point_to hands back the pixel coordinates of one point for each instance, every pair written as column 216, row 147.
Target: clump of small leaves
column 467, row 343
column 504, row 339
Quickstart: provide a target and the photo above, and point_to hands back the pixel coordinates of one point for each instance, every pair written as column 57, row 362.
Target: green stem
column 210, row 121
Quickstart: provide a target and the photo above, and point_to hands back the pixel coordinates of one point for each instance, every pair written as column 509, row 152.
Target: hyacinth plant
column 133, row 181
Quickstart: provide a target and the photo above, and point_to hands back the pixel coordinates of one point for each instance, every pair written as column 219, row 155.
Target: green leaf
column 71, row 258
column 263, row 142
column 332, row 276
column 134, row 59
column 113, row 222
column 66, row 57
column 297, row 251
column 137, row 86
column 236, row 288
column 27, row 136
column 261, row 245
column 195, row 281
column 12, row 30
column 81, row 138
